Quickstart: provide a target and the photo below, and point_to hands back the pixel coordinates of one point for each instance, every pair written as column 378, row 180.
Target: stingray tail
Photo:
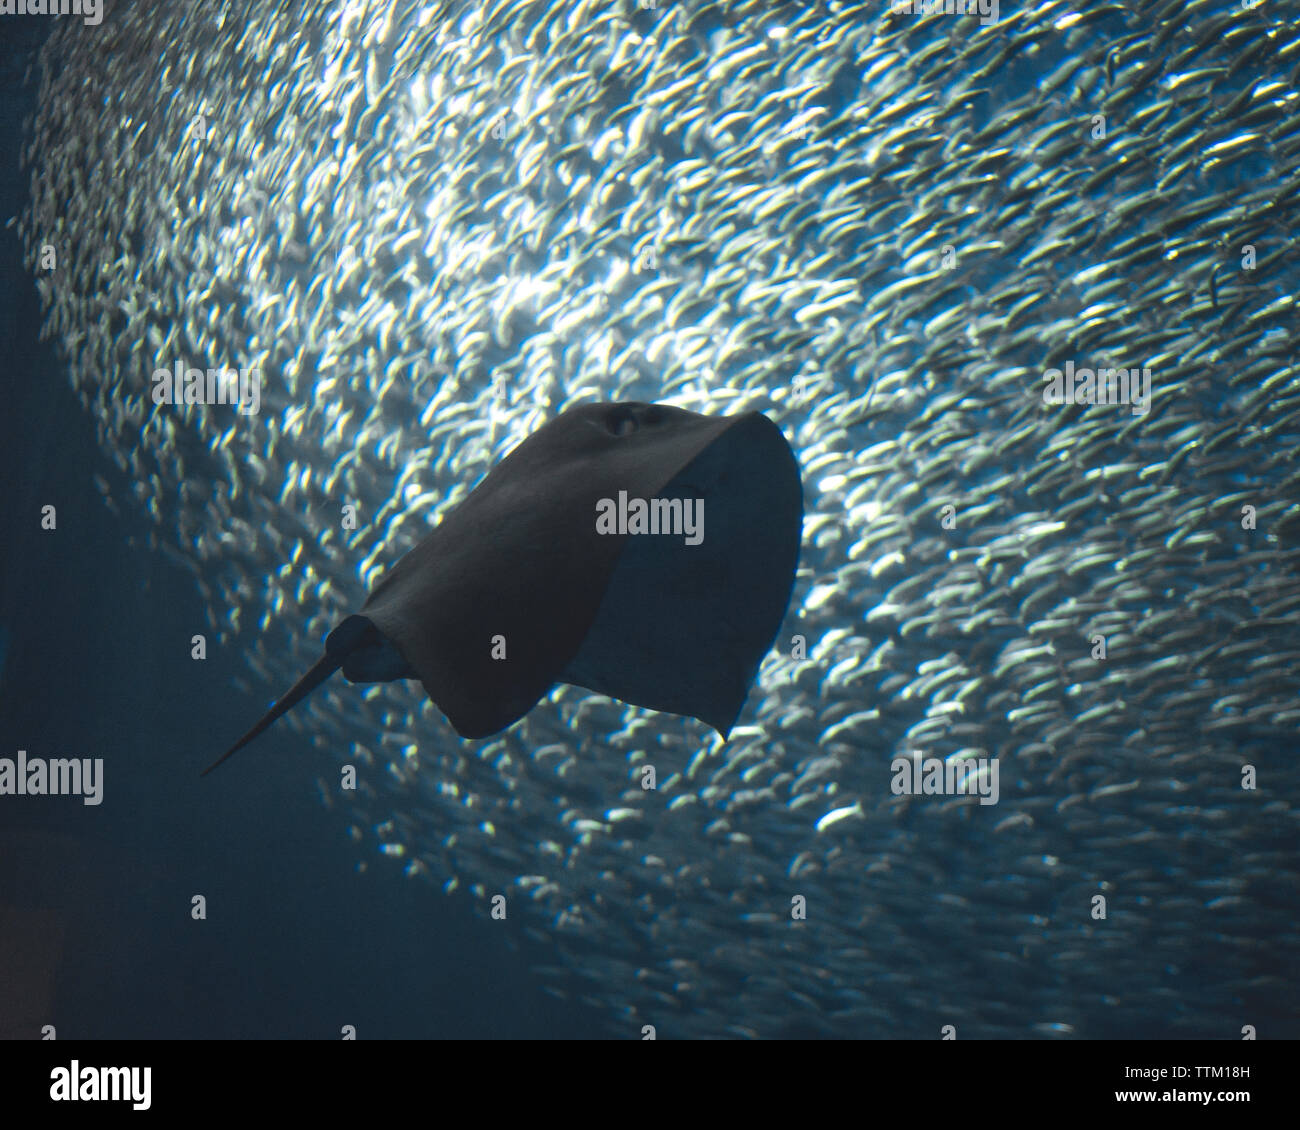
column 321, row 670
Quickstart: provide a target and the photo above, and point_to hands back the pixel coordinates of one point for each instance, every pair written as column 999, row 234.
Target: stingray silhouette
column 542, row 575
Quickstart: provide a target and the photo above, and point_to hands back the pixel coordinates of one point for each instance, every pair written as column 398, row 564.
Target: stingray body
column 530, row 581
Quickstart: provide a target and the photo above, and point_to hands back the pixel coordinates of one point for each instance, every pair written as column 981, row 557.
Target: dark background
column 95, row 929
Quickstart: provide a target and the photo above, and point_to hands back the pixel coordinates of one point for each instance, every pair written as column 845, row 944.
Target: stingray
column 551, row 571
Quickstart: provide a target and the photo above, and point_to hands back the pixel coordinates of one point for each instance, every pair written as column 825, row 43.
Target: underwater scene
column 713, row 520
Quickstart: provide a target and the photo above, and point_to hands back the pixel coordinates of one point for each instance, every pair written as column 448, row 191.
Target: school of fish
column 432, row 226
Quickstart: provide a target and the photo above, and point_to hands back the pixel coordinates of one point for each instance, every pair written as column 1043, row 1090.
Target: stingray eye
column 621, row 421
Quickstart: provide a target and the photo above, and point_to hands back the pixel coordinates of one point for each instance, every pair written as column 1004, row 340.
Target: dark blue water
column 96, row 935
